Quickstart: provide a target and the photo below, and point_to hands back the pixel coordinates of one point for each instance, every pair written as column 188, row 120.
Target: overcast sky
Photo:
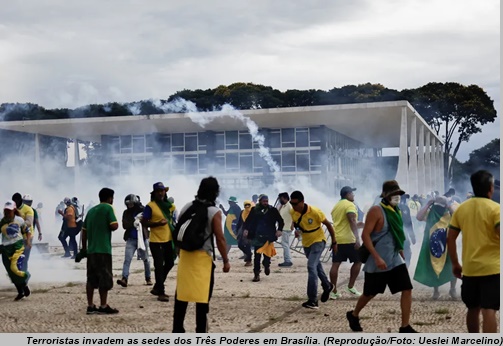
column 60, row 53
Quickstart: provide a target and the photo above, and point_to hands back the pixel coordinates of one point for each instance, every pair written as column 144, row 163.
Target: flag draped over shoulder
column 230, row 226
column 434, row 267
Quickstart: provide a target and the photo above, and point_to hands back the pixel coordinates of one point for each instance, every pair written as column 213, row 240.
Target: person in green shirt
column 97, row 230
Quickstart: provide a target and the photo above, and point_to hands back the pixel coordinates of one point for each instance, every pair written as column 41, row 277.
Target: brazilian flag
column 434, row 266
column 230, row 231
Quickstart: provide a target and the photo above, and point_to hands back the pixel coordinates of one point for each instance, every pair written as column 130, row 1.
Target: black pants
column 256, row 260
column 202, row 310
column 163, row 256
column 244, row 245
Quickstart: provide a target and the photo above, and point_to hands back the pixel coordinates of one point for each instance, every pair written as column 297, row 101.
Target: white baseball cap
column 10, row 205
column 27, row 198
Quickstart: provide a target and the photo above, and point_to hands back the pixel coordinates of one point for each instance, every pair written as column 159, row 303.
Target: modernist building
column 332, row 145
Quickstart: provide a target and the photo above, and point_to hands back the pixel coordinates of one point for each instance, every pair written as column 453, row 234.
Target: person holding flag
column 434, row 267
column 231, row 221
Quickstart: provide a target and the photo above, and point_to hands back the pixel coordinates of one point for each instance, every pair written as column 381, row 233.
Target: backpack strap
column 297, row 224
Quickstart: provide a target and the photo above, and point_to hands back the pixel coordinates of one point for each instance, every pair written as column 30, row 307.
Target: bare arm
column 421, row 215
column 452, row 235
column 216, row 225
column 330, row 229
column 113, row 226
column 354, row 226
column 373, row 218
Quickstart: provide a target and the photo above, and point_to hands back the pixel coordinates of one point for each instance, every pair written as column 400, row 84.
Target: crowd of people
column 382, row 249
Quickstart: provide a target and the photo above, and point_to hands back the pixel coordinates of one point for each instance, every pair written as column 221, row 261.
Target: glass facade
column 304, row 151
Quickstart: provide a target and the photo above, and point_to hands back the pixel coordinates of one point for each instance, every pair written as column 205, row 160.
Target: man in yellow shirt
column 345, row 222
column 478, row 219
column 158, row 215
column 27, row 214
column 308, row 221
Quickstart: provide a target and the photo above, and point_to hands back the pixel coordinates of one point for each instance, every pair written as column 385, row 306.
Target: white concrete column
column 420, row 162
column 434, row 184
column 427, row 164
column 442, row 168
column 38, row 170
column 402, row 174
column 413, row 174
column 77, row 166
column 440, row 171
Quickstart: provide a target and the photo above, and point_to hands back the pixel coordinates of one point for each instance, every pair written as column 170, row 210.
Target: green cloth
column 165, row 207
column 424, row 273
column 9, row 253
column 395, row 222
column 97, row 225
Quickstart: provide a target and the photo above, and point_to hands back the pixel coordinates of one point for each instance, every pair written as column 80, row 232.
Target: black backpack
column 191, row 226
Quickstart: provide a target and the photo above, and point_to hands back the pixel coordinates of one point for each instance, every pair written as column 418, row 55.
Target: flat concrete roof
column 375, row 124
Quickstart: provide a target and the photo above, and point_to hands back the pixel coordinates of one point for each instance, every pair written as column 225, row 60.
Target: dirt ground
column 273, row 305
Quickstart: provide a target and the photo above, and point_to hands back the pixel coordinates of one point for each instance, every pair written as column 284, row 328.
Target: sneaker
column 66, row 255
column 242, row 257
column 326, row 293
column 353, row 291
column 310, row 305
column 148, row 282
column 453, row 293
column 107, row 310
column 19, row 296
column 248, row 264
column 91, row 310
column 354, row 322
column 285, row 264
column 267, row 271
column 163, row 298
column 122, row 282
column 26, row 291
column 256, row 278
column 407, row 329
column 155, row 292
column 436, row 295
column 335, row 296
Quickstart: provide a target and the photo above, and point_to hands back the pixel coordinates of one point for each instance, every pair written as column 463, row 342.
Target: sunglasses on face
column 247, row 205
column 294, row 203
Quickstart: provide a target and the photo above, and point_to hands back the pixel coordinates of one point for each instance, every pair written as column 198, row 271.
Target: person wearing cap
column 231, row 220
column 71, row 230
column 28, row 200
column 344, row 218
column 97, row 230
column 414, row 207
column 13, row 228
column 383, row 236
column 284, row 209
column 63, row 234
column 254, row 200
column 260, row 227
column 158, row 215
column 27, row 214
column 434, row 267
column 478, row 221
column 308, row 220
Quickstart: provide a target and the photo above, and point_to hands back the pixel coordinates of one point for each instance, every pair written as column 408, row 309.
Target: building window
column 165, row 141
column 220, row 163
column 245, row 140
column 275, row 139
column 246, row 163
column 301, row 138
column 231, row 163
column 125, row 166
column 287, row 138
column 115, row 145
column 202, row 139
column 149, row 143
column 302, row 161
column 315, row 136
column 231, row 140
column 177, row 142
column 190, row 142
column 126, row 144
column 191, row 166
column 288, row 160
column 220, row 141
column 138, row 144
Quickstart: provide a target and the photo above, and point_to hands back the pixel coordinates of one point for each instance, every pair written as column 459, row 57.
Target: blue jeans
column 285, row 243
column 131, row 247
column 315, row 270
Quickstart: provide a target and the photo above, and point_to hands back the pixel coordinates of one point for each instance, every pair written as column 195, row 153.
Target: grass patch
column 293, row 299
column 424, row 323
column 273, row 318
column 71, row 284
column 41, row 290
column 442, row 311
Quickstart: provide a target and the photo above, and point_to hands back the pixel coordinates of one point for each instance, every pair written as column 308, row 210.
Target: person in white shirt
column 284, row 208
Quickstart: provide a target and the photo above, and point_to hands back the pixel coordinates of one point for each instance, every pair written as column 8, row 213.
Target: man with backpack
column 198, row 222
column 158, row 215
column 263, row 227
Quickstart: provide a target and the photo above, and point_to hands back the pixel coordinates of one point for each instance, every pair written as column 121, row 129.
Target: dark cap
column 391, row 188
column 450, row 193
column 159, row 186
column 345, row 190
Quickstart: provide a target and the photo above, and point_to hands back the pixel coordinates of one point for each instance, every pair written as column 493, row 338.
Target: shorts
column 481, row 291
column 345, row 252
column 99, row 271
column 397, row 279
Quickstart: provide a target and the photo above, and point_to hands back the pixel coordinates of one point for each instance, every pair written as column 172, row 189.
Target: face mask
column 394, row 201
